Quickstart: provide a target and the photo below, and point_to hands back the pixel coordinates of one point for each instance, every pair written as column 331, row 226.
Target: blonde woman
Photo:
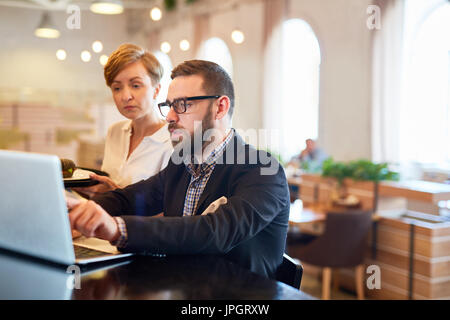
column 139, row 147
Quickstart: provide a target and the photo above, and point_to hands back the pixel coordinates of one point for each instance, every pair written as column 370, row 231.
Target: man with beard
column 218, row 194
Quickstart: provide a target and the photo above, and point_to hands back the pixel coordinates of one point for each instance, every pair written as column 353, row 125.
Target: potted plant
column 361, row 170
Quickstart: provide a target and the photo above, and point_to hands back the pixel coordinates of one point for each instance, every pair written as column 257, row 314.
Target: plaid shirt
column 199, row 177
column 121, row 242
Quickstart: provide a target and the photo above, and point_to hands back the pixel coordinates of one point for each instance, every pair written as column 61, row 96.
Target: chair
column 290, row 272
column 342, row 245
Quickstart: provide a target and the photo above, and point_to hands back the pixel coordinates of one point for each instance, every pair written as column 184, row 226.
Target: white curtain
column 425, row 121
column 404, row 128
column 274, row 14
column 387, row 74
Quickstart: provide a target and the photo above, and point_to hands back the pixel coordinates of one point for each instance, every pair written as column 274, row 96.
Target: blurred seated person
column 310, row 159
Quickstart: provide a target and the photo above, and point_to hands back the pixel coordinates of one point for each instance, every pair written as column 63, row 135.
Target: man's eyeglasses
column 180, row 105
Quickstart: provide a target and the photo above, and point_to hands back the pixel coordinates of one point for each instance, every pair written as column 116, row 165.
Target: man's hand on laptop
column 91, row 220
column 72, row 201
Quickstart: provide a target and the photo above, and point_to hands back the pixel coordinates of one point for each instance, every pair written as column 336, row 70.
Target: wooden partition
column 411, row 249
column 313, row 188
column 413, row 254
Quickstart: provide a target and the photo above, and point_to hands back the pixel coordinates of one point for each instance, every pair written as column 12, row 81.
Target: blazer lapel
column 212, row 188
column 206, row 197
column 174, row 200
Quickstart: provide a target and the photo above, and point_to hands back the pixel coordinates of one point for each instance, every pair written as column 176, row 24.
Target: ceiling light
column 184, row 45
column 237, row 36
column 107, row 7
column 165, row 47
column 103, row 59
column 46, row 29
column 86, row 56
column 156, row 14
column 61, row 54
column 97, row 46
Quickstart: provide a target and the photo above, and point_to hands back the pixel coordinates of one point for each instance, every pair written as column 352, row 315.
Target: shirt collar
column 127, row 126
column 162, row 135
column 217, row 152
column 208, row 164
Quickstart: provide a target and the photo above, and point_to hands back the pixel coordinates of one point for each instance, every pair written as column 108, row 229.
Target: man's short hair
column 216, row 80
column 129, row 53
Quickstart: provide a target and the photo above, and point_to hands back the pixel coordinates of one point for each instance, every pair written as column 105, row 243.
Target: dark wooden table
column 166, row 278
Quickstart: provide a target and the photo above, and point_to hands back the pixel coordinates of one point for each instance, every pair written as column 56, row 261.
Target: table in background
column 309, row 219
column 168, row 278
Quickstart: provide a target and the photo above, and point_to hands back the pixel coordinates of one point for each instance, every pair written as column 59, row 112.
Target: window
column 425, row 112
column 164, row 60
column 299, row 96
column 216, row 50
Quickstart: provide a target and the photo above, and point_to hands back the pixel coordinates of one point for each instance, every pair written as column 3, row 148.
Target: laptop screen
column 33, row 212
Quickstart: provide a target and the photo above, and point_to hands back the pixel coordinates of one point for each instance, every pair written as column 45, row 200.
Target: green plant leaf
column 361, row 169
column 170, row 4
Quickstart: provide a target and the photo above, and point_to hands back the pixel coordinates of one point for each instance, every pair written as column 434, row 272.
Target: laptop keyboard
column 85, row 253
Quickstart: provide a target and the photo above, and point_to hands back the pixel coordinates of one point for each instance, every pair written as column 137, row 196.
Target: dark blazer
column 250, row 229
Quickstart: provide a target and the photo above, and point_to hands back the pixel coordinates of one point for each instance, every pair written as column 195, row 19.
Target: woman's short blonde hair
column 128, row 53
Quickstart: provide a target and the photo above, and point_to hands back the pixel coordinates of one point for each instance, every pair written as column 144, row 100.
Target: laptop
column 23, row 278
column 33, row 213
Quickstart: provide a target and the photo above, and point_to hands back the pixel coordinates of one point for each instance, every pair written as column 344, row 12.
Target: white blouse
column 149, row 157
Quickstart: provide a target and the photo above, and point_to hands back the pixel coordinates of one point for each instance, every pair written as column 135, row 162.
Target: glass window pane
column 300, row 85
column 165, row 61
column 216, row 50
column 426, row 95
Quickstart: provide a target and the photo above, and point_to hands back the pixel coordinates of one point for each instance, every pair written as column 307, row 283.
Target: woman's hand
column 76, row 234
column 106, row 184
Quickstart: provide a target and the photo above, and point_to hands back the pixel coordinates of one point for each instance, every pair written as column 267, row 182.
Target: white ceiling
column 84, row 4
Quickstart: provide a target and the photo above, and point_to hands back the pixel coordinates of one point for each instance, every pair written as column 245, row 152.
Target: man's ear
column 157, row 89
column 222, row 107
